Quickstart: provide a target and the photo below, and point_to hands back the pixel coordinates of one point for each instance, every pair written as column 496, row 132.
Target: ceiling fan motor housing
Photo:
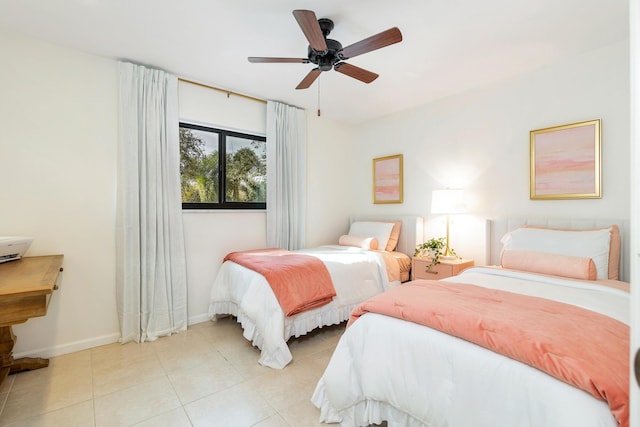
column 325, row 60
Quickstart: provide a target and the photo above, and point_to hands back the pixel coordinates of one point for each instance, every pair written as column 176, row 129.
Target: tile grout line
column 6, row 396
column 173, row 387
column 93, row 391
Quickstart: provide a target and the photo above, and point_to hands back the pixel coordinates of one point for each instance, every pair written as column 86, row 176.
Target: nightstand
column 446, row 268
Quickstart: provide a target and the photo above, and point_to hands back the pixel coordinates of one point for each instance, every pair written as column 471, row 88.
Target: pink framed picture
column 387, row 179
column 565, row 161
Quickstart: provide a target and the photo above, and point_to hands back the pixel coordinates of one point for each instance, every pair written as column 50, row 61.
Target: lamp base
column 448, row 253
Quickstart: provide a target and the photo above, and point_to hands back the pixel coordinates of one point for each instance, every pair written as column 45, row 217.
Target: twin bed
column 358, row 268
column 437, row 364
column 538, row 338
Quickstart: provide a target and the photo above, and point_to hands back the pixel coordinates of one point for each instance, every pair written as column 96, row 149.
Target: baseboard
column 198, row 319
column 59, row 350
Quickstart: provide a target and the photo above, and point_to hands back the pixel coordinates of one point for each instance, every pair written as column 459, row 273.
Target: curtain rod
column 228, row 92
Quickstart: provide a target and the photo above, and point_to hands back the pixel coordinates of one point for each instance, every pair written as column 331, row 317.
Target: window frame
column 222, row 166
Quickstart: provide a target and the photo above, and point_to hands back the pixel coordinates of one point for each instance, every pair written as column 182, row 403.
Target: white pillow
column 380, row 230
column 592, row 244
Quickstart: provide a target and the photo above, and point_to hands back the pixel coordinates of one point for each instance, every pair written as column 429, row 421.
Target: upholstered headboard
column 410, row 233
column 499, row 227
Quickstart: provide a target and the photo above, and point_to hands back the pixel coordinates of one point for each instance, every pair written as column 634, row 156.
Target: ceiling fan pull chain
column 318, row 97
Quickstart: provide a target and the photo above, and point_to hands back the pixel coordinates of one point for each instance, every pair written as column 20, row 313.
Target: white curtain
column 286, row 175
column 151, row 282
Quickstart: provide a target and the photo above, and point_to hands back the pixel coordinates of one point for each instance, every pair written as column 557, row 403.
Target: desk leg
column 9, row 365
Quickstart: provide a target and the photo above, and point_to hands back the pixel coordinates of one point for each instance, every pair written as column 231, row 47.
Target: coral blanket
column 299, row 282
column 585, row 349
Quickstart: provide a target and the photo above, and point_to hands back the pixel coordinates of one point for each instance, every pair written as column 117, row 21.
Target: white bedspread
column 385, row 368
column 357, row 274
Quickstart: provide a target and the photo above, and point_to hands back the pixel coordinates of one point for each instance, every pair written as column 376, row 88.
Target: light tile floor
column 206, row 376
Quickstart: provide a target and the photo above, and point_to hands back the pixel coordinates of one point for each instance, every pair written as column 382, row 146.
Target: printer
column 13, row 247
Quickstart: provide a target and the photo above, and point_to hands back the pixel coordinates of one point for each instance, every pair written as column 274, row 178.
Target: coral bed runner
column 299, row 282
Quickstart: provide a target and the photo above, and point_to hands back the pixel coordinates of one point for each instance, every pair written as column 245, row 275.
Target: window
column 221, row 169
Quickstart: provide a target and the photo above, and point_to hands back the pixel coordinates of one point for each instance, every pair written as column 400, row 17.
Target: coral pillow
column 358, row 242
column 592, row 244
column 558, row 265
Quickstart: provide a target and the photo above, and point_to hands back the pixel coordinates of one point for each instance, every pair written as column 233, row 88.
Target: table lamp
column 448, row 202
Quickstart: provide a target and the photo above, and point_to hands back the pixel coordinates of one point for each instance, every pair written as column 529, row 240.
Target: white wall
column 58, row 133
column 209, row 236
column 479, row 140
column 330, row 168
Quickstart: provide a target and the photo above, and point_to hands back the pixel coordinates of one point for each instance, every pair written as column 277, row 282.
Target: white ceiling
column 448, row 45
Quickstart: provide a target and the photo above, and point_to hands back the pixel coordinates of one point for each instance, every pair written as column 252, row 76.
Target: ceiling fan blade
column 355, row 72
column 309, row 79
column 311, row 29
column 377, row 41
column 256, row 59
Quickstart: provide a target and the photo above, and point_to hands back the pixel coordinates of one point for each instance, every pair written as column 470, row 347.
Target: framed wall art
column 387, row 179
column 565, row 161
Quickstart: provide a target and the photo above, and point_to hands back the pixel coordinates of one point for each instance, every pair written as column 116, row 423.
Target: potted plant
column 432, row 248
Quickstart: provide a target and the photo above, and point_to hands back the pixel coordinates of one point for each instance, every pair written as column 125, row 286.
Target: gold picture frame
column 565, row 161
column 387, row 179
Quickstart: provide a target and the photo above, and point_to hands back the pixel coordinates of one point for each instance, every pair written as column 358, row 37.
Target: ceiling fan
column 327, row 53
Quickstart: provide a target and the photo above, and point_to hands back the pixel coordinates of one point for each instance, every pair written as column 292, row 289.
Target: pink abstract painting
column 566, row 162
column 387, row 184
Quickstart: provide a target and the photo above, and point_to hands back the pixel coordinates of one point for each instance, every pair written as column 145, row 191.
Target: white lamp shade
column 448, row 202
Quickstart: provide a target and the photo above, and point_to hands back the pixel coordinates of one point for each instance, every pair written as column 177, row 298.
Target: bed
column 386, row 368
column 358, row 271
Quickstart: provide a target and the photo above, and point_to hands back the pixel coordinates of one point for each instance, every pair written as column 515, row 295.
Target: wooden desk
column 26, row 286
